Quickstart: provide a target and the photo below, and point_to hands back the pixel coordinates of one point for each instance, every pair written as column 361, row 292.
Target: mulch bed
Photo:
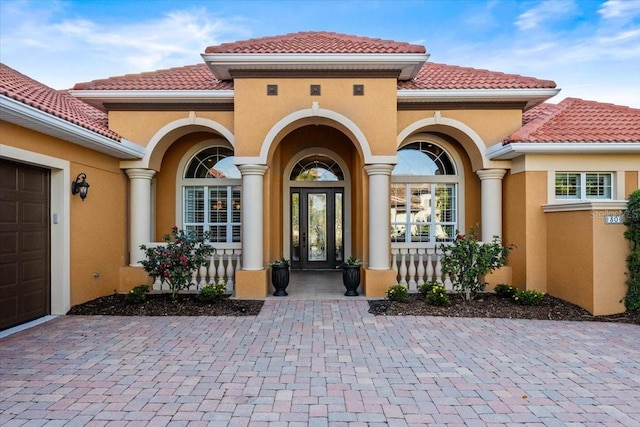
column 164, row 305
column 489, row 305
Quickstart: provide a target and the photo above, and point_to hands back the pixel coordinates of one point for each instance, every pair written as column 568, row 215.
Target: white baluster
column 403, row 269
column 230, row 272
column 202, row 272
column 212, row 270
column 412, row 270
column 438, row 271
column 420, row 279
column 394, row 261
column 448, row 284
column 239, row 263
column 157, row 284
column 429, row 266
column 220, row 272
column 194, row 279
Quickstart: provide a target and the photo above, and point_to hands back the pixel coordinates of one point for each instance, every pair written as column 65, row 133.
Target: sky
column 590, row 48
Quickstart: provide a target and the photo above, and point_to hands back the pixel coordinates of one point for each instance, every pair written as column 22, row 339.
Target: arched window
column 424, row 194
column 316, row 168
column 211, row 195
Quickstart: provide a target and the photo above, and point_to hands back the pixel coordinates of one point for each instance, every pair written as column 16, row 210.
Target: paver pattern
column 319, row 363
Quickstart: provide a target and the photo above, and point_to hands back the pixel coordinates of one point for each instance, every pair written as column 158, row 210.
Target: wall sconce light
column 81, row 187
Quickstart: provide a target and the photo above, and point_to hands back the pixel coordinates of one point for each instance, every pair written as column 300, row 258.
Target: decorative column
column 139, row 212
column 379, row 215
column 252, row 214
column 491, row 202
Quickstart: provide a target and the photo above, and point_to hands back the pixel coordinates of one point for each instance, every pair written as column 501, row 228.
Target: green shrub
column 529, row 297
column 137, row 295
column 632, row 221
column 213, row 292
column 467, row 261
column 175, row 260
column 438, row 296
column 425, row 288
column 505, row 291
column 397, row 293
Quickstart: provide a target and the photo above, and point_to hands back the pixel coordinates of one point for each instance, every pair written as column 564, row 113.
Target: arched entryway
column 317, row 211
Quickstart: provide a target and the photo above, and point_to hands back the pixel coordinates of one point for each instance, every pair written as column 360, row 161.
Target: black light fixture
column 81, row 187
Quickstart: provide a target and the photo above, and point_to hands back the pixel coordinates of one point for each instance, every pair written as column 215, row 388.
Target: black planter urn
column 280, row 279
column 351, row 279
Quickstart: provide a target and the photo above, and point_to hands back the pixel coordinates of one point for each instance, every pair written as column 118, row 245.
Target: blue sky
column 590, row 48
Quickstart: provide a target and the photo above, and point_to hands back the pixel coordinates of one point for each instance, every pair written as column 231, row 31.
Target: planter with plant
column 351, row 276
column 280, row 276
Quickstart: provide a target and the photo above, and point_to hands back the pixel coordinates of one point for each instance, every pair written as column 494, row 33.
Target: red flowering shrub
column 177, row 259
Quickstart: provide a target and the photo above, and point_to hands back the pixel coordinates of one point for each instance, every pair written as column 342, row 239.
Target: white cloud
column 625, row 9
column 546, row 11
column 76, row 50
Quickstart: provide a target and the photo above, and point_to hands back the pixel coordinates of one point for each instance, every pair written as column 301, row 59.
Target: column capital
column 491, row 173
column 140, row 173
column 253, row 169
column 378, row 169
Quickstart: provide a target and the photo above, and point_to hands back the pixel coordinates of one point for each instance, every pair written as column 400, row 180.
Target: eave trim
column 517, row 149
column 32, row 118
column 223, row 64
column 531, row 97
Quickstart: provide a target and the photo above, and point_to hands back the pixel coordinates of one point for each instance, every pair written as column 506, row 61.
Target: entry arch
column 465, row 135
column 169, row 133
column 345, row 184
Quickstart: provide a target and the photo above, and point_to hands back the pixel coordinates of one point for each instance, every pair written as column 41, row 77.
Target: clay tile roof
column 21, row 88
column 442, row 76
column 315, row 42
column 577, row 120
column 190, row 77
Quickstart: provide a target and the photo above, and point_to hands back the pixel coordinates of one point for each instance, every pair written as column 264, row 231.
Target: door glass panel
column 295, row 226
column 338, row 224
column 317, row 227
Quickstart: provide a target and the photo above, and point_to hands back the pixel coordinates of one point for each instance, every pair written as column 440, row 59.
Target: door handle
column 304, row 238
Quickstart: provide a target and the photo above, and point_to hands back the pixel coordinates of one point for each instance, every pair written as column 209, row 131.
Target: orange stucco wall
column 570, row 252
column 98, row 242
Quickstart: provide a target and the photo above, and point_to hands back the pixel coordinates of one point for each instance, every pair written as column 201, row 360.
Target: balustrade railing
column 417, row 263
column 222, row 265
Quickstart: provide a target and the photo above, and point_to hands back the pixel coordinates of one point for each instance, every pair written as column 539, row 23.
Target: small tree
column 175, row 261
column 468, row 261
column 632, row 221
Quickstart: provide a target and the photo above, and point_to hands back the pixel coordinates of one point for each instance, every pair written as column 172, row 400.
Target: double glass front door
column 316, row 228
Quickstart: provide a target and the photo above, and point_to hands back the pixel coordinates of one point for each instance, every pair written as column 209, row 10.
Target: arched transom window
column 211, row 195
column 316, row 167
column 424, row 195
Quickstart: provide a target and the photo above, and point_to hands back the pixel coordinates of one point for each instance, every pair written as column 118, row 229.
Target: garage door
column 24, row 243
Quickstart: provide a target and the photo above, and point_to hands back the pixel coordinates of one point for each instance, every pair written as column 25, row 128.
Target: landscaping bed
column 489, row 305
column 164, row 305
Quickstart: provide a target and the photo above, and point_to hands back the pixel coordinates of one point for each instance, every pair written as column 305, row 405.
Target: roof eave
column 517, row 149
column 98, row 98
column 223, row 65
column 531, row 97
column 37, row 120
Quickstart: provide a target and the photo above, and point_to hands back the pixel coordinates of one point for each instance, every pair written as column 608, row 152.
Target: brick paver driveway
column 319, row 363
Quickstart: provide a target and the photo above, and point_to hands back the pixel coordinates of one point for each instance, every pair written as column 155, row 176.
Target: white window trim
column 617, row 185
column 181, row 182
column 457, row 179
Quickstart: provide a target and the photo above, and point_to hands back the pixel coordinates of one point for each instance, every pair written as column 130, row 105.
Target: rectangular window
column 583, row 185
column 423, row 213
column 213, row 209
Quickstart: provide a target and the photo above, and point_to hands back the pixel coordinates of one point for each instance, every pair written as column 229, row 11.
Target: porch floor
column 316, row 285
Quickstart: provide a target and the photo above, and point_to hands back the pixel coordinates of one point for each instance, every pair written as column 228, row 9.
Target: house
column 316, row 146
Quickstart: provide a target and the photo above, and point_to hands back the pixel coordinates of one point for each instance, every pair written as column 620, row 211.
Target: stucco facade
column 357, row 110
